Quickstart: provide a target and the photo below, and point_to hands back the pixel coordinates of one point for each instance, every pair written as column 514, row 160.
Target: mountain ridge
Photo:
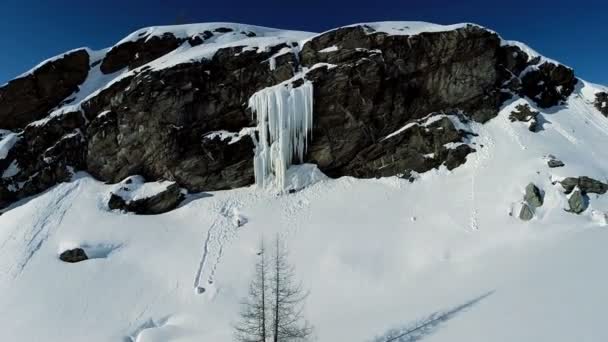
column 404, row 70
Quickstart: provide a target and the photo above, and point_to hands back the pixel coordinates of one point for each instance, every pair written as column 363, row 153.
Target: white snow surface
column 375, row 254
column 8, row 139
column 410, row 28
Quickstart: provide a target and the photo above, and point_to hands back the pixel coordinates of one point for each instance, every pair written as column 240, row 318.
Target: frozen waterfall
column 284, row 116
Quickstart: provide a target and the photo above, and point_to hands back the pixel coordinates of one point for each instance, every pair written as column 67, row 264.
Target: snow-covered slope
column 376, row 254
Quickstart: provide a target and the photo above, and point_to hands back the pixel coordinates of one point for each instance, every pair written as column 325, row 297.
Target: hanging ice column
column 284, row 116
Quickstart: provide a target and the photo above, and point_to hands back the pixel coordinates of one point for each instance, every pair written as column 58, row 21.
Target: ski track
column 49, row 219
column 482, row 155
column 512, row 133
column 221, row 231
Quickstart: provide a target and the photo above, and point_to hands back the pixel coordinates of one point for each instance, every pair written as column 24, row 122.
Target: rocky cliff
column 171, row 103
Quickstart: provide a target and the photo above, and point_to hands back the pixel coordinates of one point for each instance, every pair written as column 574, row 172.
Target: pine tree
column 273, row 311
column 253, row 323
column 288, row 298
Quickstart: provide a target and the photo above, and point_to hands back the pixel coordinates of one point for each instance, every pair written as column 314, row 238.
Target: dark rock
column 73, row 255
column 526, row 213
column 524, row 113
column 159, row 203
column 176, row 108
column 585, row 184
column 533, row 196
column 223, row 30
column 601, row 102
column 457, row 156
column 460, row 72
column 137, row 53
column 578, row 202
column 553, row 163
column 195, row 41
column 32, row 96
column 549, row 84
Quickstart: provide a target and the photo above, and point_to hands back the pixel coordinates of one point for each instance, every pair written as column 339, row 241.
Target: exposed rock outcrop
column 523, row 113
column 32, row 96
column 601, row 102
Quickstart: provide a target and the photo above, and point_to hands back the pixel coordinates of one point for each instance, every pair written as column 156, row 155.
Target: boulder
column 553, row 163
column 578, row 202
column 526, row 213
column 524, row 113
column 585, row 184
column 548, row 84
column 533, row 196
column 151, row 204
column 73, row 255
column 134, row 54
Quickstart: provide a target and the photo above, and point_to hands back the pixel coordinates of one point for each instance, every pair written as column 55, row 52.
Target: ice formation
column 284, row 115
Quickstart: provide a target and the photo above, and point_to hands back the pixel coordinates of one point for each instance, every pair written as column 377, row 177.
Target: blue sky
column 572, row 32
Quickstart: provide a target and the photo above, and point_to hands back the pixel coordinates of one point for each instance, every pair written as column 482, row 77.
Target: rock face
column 32, row 96
column 137, row 53
column 73, row 255
column 383, row 105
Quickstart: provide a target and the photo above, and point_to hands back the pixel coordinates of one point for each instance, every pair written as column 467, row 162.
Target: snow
column 11, row 170
column 225, row 135
column 284, row 115
column 7, row 141
column 332, row 48
column 410, row 28
column 190, row 30
column 379, row 248
column 426, row 121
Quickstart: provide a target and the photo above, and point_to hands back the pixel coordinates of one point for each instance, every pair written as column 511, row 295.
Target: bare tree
column 273, row 310
column 288, row 298
column 252, row 326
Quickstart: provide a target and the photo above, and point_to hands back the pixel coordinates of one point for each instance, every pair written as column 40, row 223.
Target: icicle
column 284, row 115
